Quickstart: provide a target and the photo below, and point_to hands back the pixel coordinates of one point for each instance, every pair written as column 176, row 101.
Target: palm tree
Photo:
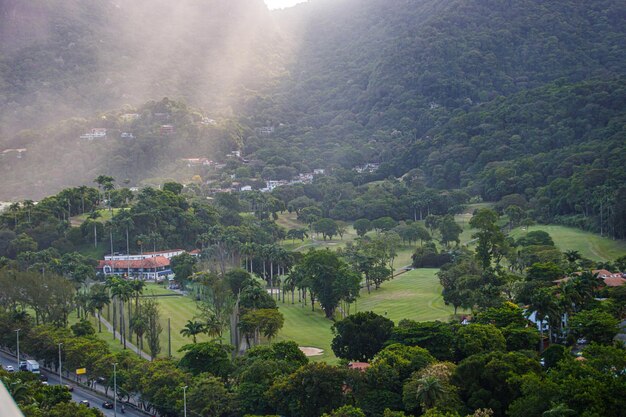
column 545, row 306
column 429, row 392
column 28, row 206
column 93, row 216
column 98, row 298
column 193, row 328
column 559, row 410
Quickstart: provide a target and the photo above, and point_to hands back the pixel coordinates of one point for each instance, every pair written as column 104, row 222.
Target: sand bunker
column 311, row 351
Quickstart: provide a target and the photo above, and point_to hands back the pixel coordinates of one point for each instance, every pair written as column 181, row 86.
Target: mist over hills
column 431, row 85
column 72, row 58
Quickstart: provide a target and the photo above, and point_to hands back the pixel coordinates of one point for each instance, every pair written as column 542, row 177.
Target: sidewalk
column 129, row 345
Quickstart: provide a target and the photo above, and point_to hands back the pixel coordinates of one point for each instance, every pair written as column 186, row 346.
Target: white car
column 10, row 368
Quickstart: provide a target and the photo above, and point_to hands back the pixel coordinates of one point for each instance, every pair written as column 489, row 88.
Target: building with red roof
column 151, row 268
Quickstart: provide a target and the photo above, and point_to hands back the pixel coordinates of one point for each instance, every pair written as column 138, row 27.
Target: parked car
column 10, row 368
column 85, row 403
column 107, row 405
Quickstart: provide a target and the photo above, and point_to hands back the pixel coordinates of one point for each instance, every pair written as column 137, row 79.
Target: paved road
column 79, row 393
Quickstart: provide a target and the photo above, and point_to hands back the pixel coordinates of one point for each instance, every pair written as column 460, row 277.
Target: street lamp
column 17, row 332
column 115, row 389
column 185, row 400
column 60, row 365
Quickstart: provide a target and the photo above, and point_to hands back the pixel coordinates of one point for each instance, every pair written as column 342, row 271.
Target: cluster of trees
column 492, row 363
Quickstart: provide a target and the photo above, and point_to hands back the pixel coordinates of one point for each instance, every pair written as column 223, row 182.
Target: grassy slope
column 415, row 295
column 589, row 245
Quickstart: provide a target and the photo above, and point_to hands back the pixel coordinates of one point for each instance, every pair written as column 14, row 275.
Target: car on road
column 10, row 368
column 85, row 403
column 69, row 387
column 107, row 405
column 43, row 377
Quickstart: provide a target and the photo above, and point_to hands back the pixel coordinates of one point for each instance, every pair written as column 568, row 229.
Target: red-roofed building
column 610, row 279
column 614, row 281
column 361, row 366
column 153, row 268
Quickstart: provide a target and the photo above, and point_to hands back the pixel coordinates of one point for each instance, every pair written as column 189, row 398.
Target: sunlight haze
column 281, row 4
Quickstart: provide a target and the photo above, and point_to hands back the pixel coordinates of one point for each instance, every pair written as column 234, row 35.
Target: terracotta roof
column 148, row 263
column 614, row 281
column 361, row 366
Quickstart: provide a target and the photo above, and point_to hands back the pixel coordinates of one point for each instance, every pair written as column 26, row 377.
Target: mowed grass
column 589, row 245
column 415, row 295
column 177, row 308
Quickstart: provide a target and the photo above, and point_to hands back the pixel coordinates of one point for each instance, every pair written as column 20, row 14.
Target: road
column 79, row 393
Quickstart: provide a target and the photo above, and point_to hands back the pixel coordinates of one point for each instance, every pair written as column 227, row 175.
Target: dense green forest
column 481, row 97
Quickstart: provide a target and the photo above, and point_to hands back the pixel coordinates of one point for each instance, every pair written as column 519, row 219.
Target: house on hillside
column 95, row 133
column 14, row 152
column 166, row 130
column 606, row 278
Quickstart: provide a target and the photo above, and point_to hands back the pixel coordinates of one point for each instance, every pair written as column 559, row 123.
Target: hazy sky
column 280, row 4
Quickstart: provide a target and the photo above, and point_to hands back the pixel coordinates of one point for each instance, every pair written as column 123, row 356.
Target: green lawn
column 414, row 295
column 105, row 215
column 589, row 245
column 178, row 309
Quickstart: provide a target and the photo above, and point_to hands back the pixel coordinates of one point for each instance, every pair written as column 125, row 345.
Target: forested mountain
column 378, row 70
column 72, row 58
column 496, row 97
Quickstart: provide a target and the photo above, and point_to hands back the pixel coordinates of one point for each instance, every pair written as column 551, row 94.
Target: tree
column 206, row 357
column 150, row 308
column 473, row 339
column 428, row 392
column 360, row 336
column 489, row 380
column 435, row 336
column 192, row 329
column 362, row 226
column 183, row 266
column 450, row 230
column 98, row 298
column 594, row 325
column 264, row 321
column 431, row 388
column 329, row 278
column 491, row 245
column 214, row 299
column 327, row 227
column 345, row 411
column 323, row 390
column 294, row 234
column 207, row 396
column 383, row 224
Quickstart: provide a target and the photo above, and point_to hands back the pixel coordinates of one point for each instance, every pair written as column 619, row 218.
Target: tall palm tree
column 193, row 328
column 545, row 306
column 98, row 298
